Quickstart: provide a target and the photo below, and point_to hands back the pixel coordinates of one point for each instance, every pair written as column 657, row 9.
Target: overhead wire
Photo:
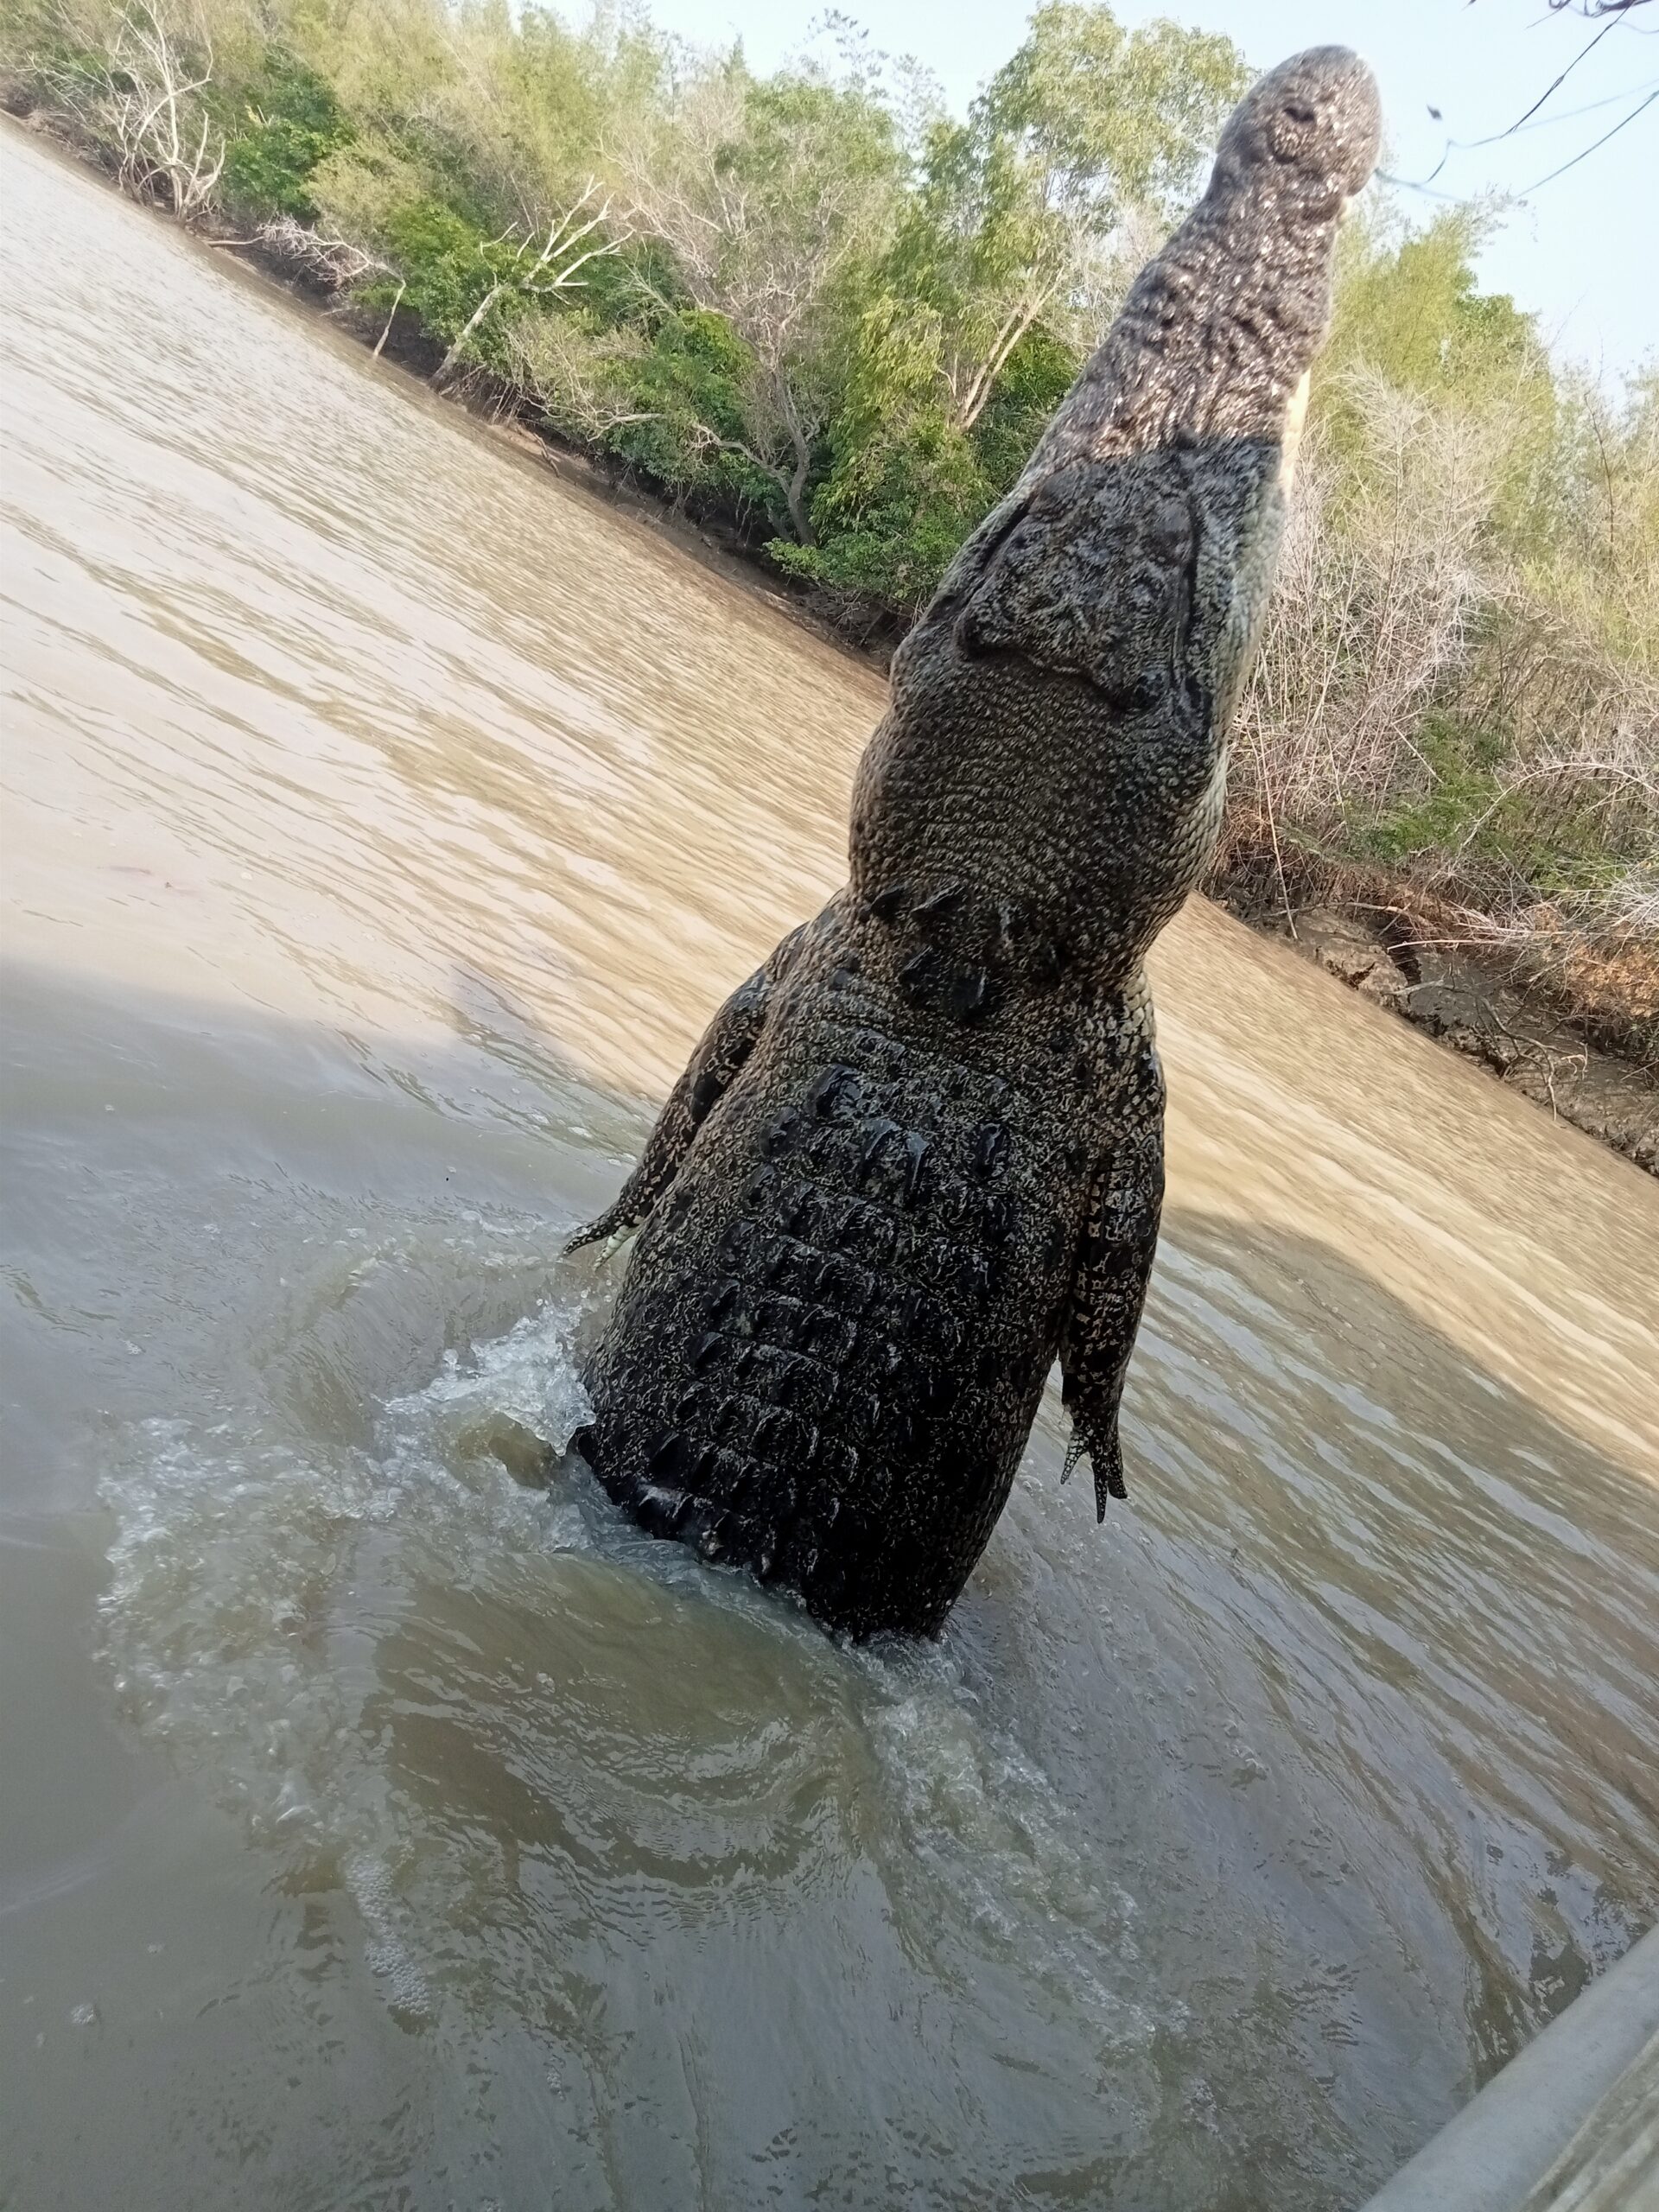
column 1468, row 145
column 1524, row 122
column 1640, row 109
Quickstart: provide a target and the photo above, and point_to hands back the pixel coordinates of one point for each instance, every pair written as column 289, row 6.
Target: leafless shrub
column 760, row 232
column 1372, row 613
column 142, row 101
column 329, row 264
column 571, row 374
column 538, row 273
column 1408, row 672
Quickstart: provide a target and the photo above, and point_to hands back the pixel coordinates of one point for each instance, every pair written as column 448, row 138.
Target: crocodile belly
column 826, row 1359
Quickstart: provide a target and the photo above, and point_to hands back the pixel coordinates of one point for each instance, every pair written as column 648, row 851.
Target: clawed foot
column 1106, row 1460
column 612, row 1222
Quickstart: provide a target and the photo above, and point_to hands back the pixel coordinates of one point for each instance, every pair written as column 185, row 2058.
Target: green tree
column 1018, row 208
column 1005, row 263
column 773, row 198
column 285, row 124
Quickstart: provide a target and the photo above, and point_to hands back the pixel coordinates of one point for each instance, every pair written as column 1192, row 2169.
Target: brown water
column 382, row 820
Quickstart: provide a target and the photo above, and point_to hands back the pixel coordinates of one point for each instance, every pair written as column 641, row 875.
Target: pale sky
column 1582, row 251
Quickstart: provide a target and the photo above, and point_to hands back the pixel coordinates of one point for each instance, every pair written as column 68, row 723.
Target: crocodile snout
column 1314, row 122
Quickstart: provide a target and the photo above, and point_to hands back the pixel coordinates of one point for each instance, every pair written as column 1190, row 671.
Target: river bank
column 1380, row 937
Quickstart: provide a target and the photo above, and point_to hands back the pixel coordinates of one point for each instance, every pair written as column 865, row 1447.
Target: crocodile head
column 1136, row 552
column 1216, row 335
column 1169, row 460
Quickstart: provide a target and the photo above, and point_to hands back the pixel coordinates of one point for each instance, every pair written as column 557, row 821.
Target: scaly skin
column 920, row 1152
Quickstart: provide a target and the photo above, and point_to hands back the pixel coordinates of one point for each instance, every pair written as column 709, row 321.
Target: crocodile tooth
column 989, row 1148
column 916, row 975
column 668, row 1460
column 942, row 904
column 879, row 1133
column 916, row 1147
column 969, row 995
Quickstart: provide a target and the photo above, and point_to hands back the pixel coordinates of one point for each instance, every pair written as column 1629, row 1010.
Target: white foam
column 252, row 1580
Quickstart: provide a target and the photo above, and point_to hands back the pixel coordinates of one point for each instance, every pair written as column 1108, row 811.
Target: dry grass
column 1437, row 738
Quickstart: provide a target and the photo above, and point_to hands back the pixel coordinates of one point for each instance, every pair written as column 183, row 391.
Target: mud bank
column 1475, row 1006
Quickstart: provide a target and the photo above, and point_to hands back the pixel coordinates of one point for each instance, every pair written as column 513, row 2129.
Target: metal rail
column 1571, row 2124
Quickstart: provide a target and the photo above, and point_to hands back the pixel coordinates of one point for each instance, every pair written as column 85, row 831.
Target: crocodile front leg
column 721, row 1050
column 1113, row 1261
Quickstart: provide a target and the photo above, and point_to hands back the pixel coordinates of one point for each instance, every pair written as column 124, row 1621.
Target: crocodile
column 919, row 1153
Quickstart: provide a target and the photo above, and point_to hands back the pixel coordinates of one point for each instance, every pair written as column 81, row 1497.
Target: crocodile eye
column 1290, row 130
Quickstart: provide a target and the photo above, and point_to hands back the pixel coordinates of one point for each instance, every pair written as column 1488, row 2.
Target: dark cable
column 1560, row 82
column 1590, row 149
column 1468, row 145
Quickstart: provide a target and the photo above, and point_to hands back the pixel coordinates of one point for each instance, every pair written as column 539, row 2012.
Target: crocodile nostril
column 1298, row 114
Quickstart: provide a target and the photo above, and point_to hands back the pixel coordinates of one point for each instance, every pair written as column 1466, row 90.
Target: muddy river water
column 382, row 816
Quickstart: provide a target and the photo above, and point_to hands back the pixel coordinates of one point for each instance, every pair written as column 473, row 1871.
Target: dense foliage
column 818, row 306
